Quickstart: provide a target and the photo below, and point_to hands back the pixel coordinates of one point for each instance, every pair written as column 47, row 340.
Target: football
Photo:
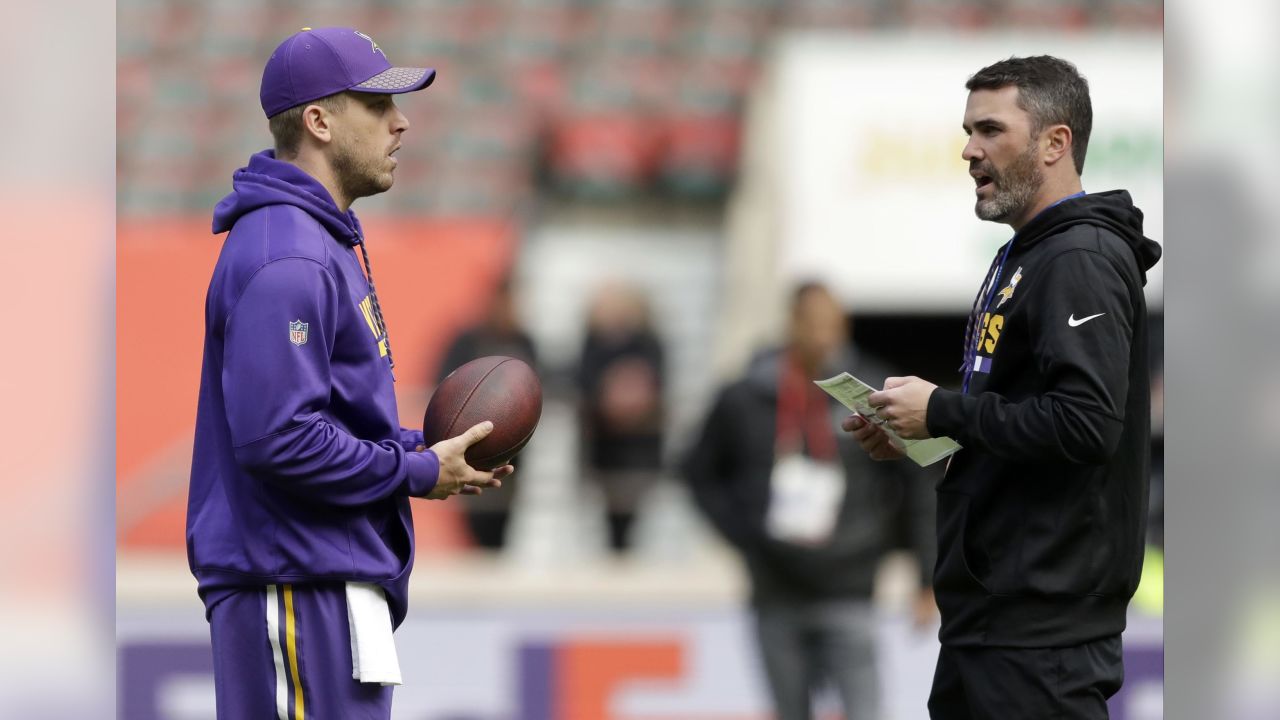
column 498, row 388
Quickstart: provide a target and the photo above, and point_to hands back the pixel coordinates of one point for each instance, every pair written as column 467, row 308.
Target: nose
column 399, row 123
column 971, row 151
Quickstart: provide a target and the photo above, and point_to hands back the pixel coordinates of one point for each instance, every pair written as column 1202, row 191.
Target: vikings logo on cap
column 372, row 44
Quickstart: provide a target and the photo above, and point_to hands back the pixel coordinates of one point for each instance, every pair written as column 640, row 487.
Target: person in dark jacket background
column 499, row 332
column 809, row 513
column 621, row 381
column 1042, row 514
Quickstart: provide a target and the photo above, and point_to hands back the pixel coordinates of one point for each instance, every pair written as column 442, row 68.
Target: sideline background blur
column 711, row 153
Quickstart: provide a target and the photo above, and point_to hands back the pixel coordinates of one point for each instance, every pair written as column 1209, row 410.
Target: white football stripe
column 273, row 632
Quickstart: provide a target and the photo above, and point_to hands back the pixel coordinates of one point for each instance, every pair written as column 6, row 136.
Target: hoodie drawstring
column 377, row 307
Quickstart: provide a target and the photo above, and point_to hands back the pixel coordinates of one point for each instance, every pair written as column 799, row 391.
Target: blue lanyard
column 971, row 352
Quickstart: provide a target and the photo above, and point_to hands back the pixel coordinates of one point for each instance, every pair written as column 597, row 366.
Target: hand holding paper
column 874, row 441
column 902, row 404
column 858, row 397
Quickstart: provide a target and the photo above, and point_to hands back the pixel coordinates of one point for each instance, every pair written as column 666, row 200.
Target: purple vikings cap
column 316, row 63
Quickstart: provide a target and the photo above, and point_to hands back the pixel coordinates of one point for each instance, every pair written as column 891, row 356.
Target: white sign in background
column 876, row 199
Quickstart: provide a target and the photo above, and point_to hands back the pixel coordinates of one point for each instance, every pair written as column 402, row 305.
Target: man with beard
column 298, row 523
column 1042, row 514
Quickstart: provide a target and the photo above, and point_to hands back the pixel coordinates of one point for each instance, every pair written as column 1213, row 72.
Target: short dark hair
column 286, row 125
column 1050, row 90
column 806, row 288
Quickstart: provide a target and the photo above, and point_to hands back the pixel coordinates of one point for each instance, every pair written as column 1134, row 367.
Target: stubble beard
column 1015, row 188
column 357, row 176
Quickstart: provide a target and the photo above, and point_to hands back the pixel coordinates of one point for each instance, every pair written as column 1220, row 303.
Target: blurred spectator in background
column 499, row 332
column 620, row 378
column 810, row 513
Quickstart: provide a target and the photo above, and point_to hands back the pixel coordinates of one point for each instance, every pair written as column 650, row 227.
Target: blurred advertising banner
column 562, row 664
column 872, row 193
column 163, row 265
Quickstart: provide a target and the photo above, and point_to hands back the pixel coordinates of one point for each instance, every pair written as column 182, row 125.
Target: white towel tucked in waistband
column 373, row 649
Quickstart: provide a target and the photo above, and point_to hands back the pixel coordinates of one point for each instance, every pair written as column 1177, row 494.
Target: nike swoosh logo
column 1073, row 322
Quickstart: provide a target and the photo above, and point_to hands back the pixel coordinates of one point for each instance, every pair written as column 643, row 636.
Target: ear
column 1057, row 144
column 318, row 123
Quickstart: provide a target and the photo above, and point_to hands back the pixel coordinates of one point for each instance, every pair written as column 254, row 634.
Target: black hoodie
column 1042, row 515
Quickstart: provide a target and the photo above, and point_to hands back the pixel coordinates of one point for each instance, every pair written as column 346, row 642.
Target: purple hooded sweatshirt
column 301, row 470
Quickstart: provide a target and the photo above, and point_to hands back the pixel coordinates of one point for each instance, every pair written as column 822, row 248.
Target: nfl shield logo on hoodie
column 298, row 332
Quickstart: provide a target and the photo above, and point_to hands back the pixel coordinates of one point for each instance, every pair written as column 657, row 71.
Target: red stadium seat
column 603, row 154
column 701, row 153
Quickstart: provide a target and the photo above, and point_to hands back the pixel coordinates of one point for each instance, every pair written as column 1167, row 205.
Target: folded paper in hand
column 853, row 393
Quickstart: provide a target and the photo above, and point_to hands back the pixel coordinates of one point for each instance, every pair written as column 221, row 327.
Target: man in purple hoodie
column 298, row 522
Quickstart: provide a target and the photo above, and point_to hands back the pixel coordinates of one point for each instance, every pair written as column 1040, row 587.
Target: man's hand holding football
column 456, row 476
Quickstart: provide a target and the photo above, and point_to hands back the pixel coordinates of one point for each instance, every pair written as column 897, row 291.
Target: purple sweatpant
column 284, row 652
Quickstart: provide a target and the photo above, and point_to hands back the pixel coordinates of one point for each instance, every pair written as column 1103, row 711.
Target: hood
column 268, row 181
column 1113, row 210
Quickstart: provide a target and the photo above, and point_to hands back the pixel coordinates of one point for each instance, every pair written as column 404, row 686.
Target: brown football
column 498, row 388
